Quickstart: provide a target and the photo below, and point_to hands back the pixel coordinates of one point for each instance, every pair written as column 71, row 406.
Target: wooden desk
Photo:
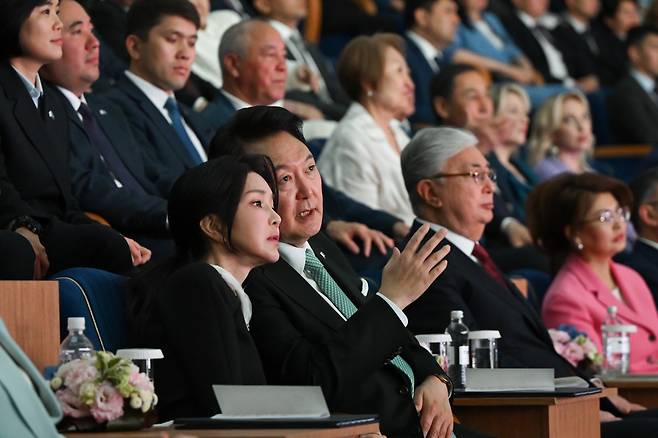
column 342, row 432
column 30, row 310
column 536, row 417
column 642, row 389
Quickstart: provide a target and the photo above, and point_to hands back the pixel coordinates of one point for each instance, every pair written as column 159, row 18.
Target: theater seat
column 98, row 297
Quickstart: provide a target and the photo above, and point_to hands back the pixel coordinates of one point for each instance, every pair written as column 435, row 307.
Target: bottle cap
column 456, row 314
column 76, row 323
column 612, row 309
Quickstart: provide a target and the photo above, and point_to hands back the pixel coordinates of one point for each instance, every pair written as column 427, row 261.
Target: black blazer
column 152, row 129
column 197, row 322
column 578, row 56
column 526, row 41
column 34, row 155
column 93, row 184
column 303, row 341
column 644, row 259
column 218, row 111
column 633, row 113
column 612, row 60
column 421, row 74
column 466, row 286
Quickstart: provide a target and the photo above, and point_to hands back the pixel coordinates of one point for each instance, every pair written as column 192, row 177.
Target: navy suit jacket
column 152, row 129
column 93, row 185
column 421, row 74
column 644, row 259
column 218, row 111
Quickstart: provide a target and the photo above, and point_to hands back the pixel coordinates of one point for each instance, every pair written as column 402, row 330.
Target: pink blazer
column 578, row 297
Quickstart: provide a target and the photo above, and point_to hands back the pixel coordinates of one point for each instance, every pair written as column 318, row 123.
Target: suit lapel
column 290, row 283
column 156, row 117
column 33, row 126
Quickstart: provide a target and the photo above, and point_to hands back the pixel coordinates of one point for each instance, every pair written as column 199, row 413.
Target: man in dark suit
column 110, row 175
column 160, row 42
column 311, row 77
column 574, row 38
column 633, row 103
column 644, row 258
column 431, row 29
column 539, row 46
column 451, row 188
column 109, row 18
column 314, row 320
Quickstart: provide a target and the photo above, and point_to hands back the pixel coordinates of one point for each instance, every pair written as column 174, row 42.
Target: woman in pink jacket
column 580, row 220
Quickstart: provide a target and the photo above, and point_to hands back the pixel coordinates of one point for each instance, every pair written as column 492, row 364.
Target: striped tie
column 316, row 271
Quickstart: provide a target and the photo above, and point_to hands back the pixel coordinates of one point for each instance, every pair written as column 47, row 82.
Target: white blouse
column 358, row 161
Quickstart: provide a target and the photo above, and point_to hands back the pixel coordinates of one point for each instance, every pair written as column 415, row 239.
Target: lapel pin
column 102, row 112
column 51, row 114
column 322, row 254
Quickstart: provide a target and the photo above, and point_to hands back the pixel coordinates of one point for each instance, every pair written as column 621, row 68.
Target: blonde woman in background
column 515, row 178
column 562, row 138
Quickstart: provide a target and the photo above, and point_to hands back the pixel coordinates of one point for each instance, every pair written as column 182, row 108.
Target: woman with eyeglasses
column 580, row 221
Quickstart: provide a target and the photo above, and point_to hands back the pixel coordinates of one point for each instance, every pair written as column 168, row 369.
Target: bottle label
column 618, row 344
column 463, row 355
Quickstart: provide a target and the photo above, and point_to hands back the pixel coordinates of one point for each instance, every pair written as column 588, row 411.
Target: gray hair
column 427, row 153
column 237, row 39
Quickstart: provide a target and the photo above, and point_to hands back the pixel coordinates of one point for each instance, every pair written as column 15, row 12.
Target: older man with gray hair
column 451, row 186
column 252, row 57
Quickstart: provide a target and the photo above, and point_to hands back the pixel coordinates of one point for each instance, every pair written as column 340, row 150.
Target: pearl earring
column 369, row 93
column 579, row 245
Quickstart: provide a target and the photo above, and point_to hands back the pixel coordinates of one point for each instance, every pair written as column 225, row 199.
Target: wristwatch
column 26, row 222
column 445, row 379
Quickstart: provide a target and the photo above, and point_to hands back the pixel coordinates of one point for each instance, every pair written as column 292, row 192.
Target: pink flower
column 71, row 404
column 140, row 381
column 79, row 372
column 574, row 353
column 108, row 405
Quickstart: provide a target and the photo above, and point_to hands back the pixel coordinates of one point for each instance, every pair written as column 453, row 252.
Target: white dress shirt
column 158, row 98
column 556, row 64
column 464, row 244
column 236, row 287
column 645, row 82
column 358, row 160
column 429, row 51
column 239, row 104
column 296, row 257
column 34, row 90
column 651, row 243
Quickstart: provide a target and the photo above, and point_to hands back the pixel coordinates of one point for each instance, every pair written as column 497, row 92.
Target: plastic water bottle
column 616, row 345
column 459, row 357
column 76, row 345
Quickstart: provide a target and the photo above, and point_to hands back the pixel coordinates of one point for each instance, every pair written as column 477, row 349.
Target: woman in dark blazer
column 222, row 217
column 35, row 187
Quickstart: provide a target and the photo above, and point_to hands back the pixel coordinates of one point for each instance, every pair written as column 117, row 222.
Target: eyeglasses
column 477, row 175
column 608, row 216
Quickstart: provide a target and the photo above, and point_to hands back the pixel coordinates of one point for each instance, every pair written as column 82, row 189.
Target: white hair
column 427, row 153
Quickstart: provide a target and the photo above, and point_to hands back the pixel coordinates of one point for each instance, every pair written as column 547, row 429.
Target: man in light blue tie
column 315, row 322
column 161, row 43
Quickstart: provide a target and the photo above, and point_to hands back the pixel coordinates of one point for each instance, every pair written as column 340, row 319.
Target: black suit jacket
column 303, row 341
column 526, row 41
column 152, row 129
column 218, row 111
column 110, row 21
column 34, row 155
column 633, row 113
column 335, row 109
column 578, row 56
column 197, row 322
column 644, row 259
column 93, row 184
column 422, row 74
column 466, row 286
column 612, row 59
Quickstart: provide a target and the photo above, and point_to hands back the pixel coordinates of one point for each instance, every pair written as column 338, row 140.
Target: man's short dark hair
column 251, row 125
column 638, row 34
column 144, row 15
column 643, row 187
column 410, row 7
column 13, row 13
column 609, row 7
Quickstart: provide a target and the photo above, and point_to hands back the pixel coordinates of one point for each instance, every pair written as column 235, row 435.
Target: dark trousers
column 85, row 245
column 16, row 257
